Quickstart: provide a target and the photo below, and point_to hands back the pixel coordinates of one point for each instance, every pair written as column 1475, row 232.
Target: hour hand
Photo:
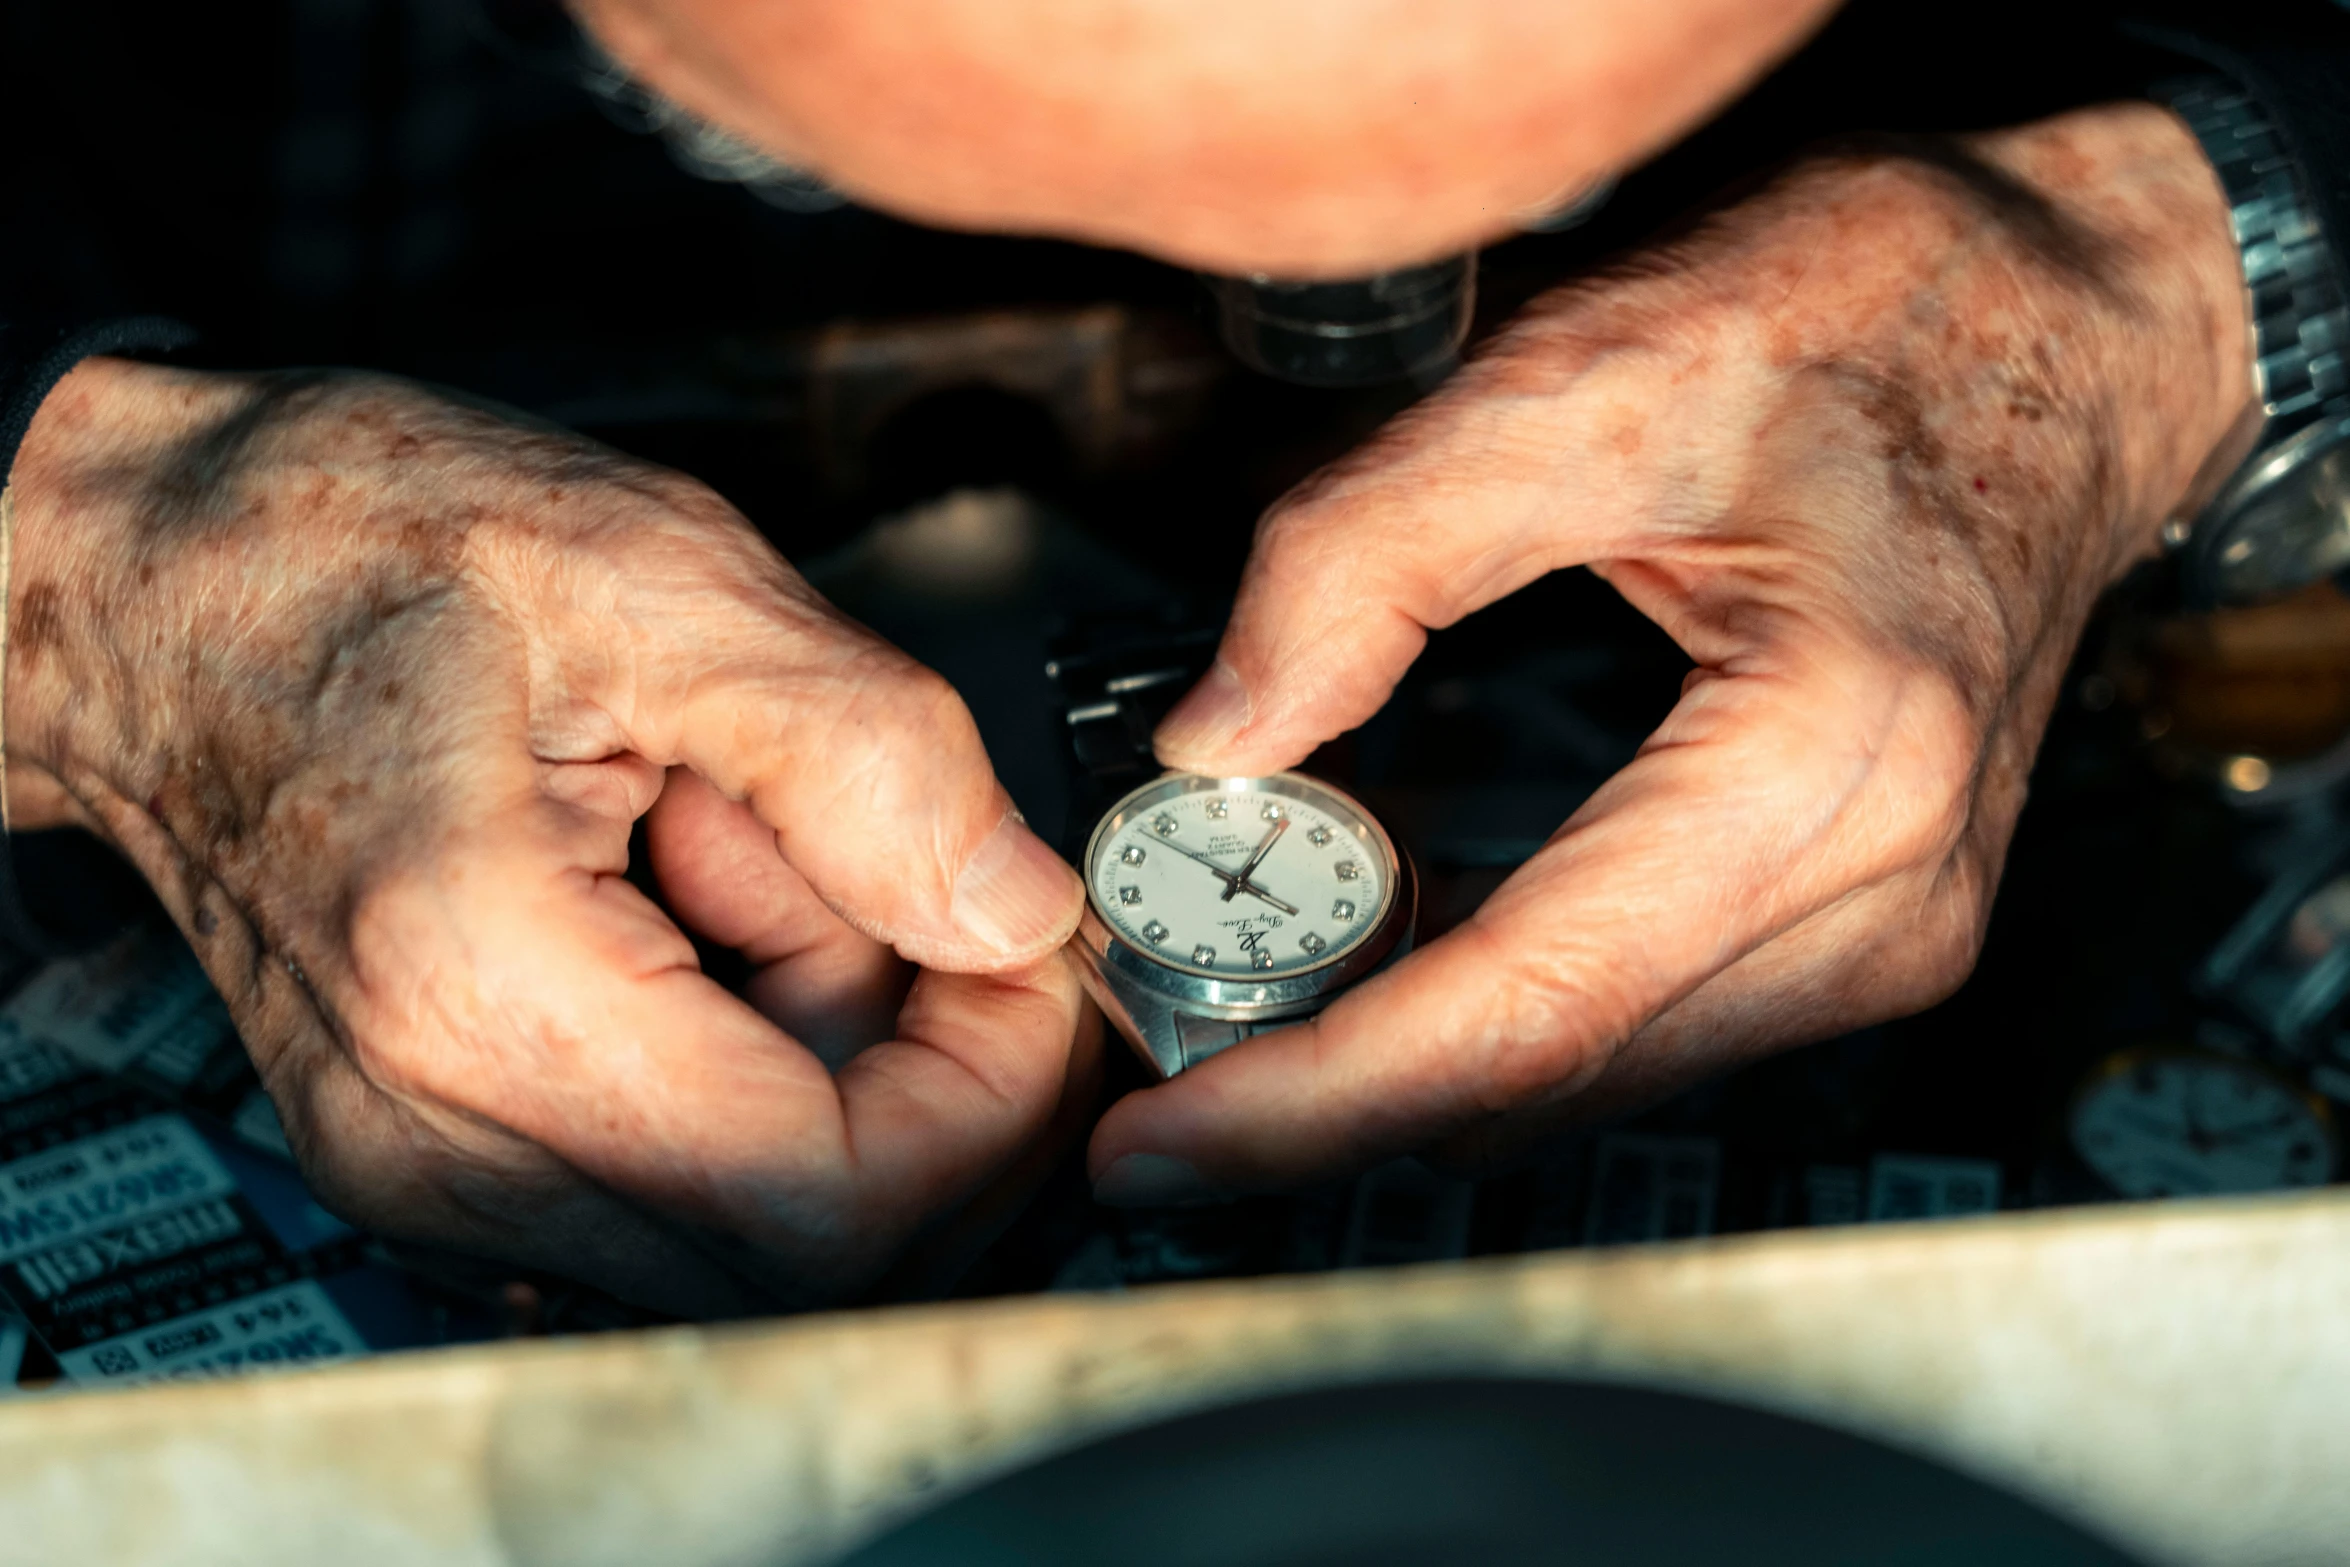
column 1255, row 891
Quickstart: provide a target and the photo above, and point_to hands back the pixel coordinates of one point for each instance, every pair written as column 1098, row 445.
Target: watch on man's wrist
column 1215, row 908
column 2283, row 520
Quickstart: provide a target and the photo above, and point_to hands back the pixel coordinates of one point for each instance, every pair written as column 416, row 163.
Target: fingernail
column 1015, row 896
column 1212, row 715
column 1152, row 1180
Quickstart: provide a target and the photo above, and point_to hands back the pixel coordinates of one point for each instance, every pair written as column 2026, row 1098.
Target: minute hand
column 1280, row 826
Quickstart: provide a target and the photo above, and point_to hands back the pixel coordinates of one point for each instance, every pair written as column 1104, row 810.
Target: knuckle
column 927, row 700
column 395, row 1015
column 1550, row 1031
column 911, row 708
column 1290, row 541
column 1930, row 770
column 1951, row 941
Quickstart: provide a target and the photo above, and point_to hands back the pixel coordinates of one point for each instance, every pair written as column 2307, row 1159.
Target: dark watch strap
column 2301, row 322
column 1117, row 677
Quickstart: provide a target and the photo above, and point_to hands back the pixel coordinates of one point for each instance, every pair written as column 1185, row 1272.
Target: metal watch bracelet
column 2246, row 545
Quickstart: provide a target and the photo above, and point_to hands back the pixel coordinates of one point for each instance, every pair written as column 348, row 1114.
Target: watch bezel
column 1234, row 998
column 2219, row 532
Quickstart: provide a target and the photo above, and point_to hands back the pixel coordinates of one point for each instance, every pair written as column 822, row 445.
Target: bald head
column 1297, row 137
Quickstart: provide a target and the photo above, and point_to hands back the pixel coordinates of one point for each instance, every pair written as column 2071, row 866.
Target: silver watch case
column 1142, row 996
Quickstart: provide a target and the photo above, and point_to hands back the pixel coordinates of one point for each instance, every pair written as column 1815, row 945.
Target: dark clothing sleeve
column 35, row 355
column 82, row 895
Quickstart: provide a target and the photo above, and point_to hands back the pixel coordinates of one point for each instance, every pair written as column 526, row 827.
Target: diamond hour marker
column 1273, row 811
column 1342, row 910
column 1261, row 958
column 1131, row 854
column 1129, row 896
column 1348, row 870
column 1164, row 825
column 1311, row 942
column 1319, row 837
column 1154, row 933
column 1203, row 955
column 1219, row 809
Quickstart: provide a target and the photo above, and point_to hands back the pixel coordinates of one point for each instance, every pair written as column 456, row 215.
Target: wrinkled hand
column 1867, row 444
column 373, row 685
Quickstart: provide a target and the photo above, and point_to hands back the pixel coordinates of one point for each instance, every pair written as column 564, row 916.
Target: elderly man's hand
column 1868, row 444
column 373, row 685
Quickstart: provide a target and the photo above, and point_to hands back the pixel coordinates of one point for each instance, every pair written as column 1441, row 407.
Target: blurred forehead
column 1293, row 136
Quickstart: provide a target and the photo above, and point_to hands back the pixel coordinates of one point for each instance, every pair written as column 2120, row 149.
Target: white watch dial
column 2174, row 1123
column 1240, row 877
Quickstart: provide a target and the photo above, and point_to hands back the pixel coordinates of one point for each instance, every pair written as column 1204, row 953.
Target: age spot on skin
column 1896, row 411
column 40, row 621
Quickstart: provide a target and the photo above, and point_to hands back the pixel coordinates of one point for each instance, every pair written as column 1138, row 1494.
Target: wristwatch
column 1216, row 908
column 2283, row 520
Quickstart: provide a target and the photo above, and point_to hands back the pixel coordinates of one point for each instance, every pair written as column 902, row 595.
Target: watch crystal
column 1229, row 879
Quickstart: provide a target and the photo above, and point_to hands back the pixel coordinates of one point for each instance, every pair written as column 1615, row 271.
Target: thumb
column 871, row 774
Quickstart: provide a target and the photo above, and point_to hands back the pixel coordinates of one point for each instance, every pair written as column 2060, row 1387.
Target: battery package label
column 103, row 1182
column 1652, row 1189
column 297, row 1324
column 62, row 1274
column 114, row 1007
column 28, row 1066
column 47, row 1096
column 139, row 1010
column 1907, row 1186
